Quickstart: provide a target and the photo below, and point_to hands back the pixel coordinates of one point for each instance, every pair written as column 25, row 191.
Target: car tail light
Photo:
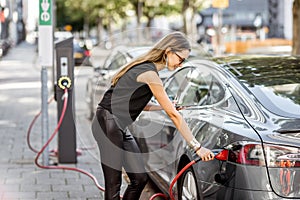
column 260, row 155
column 87, row 53
column 222, row 155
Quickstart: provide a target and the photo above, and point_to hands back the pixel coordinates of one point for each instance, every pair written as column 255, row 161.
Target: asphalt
column 20, row 102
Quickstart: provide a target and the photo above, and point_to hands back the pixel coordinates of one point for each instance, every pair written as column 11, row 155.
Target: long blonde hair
column 175, row 41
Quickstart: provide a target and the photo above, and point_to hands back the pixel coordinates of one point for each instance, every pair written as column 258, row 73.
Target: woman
column 131, row 89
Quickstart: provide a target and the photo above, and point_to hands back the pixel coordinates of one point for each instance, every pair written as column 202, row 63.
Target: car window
column 172, row 85
column 118, row 61
column 108, row 61
column 216, row 92
column 195, row 90
column 202, row 88
column 120, row 57
column 273, row 81
column 115, row 61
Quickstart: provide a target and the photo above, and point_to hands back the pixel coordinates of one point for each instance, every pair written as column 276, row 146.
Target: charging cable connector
column 64, row 82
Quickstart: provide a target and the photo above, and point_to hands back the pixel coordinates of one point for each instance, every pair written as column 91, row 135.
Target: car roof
column 269, row 77
column 262, row 68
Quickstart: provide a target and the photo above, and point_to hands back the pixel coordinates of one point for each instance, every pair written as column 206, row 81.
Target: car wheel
column 187, row 188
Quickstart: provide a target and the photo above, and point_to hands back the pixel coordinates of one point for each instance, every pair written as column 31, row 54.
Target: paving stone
column 18, row 195
column 52, row 195
column 20, row 101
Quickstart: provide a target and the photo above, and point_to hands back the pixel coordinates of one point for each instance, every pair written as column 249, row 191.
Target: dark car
column 4, row 47
column 248, row 108
column 81, row 53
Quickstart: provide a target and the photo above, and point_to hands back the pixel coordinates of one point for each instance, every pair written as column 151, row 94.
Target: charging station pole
column 65, row 80
column 45, row 47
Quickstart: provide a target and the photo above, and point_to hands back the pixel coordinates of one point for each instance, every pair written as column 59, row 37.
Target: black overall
column 119, row 107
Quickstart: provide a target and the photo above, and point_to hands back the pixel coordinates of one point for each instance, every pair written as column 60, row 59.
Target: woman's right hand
column 205, row 154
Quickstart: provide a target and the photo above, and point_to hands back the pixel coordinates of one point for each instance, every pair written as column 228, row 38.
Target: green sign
column 45, row 14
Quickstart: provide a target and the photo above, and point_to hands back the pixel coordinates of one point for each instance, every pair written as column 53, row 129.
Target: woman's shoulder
column 146, row 66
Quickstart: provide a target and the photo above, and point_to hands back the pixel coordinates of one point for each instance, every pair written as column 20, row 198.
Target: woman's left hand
column 205, row 154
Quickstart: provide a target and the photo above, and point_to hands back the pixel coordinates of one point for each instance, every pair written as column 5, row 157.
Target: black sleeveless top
column 127, row 99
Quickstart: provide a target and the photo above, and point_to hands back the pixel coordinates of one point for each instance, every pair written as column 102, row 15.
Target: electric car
column 245, row 107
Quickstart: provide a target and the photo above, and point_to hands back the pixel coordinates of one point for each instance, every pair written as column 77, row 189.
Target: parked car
column 246, row 107
column 81, row 53
column 5, row 45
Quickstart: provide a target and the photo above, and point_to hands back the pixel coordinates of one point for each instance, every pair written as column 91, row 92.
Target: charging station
column 65, row 80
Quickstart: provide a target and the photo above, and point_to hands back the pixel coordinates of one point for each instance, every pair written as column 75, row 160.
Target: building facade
column 274, row 16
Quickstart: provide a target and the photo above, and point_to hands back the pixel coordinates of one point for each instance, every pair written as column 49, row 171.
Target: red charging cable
column 174, row 181
column 39, row 153
column 220, row 154
column 51, row 138
column 31, row 126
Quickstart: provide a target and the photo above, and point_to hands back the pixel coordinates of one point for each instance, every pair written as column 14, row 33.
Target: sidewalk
column 20, row 101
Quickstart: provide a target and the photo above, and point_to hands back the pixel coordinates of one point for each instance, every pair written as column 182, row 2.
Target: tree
column 190, row 9
column 151, row 9
column 296, row 27
column 89, row 13
column 82, row 15
column 154, row 8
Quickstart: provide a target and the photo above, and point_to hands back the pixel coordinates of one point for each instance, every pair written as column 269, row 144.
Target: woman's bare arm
column 152, row 107
column 156, row 86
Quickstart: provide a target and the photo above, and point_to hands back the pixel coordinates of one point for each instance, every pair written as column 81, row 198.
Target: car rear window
column 275, row 82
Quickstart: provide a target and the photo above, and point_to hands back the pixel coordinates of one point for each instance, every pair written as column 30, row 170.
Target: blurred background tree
column 82, row 15
column 296, row 28
column 113, row 16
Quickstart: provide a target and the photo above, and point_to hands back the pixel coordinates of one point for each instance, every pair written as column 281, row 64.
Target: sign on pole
column 46, row 59
column 45, row 33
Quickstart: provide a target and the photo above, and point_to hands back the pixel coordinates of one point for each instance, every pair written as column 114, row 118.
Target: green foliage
column 154, row 8
column 76, row 13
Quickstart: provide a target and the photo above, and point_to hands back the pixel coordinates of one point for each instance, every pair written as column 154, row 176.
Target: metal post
column 45, row 135
column 45, row 47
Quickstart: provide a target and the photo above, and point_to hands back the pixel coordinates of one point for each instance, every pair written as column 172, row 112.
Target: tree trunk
column 139, row 13
column 100, row 32
column 185, row 6
column 86, row 27
column 296, row 27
